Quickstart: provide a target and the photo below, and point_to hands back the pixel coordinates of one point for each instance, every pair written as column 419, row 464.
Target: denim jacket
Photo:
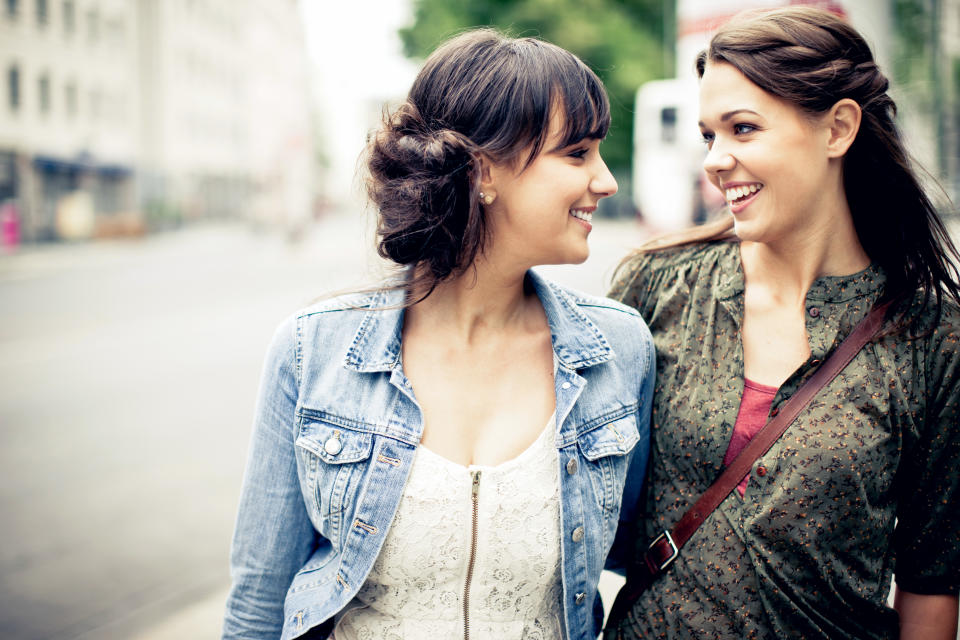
column 336, row 429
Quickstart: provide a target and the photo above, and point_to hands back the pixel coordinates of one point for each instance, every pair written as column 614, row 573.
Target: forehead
column 723, row 89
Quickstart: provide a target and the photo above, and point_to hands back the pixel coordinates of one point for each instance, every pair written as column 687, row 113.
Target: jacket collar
column 577, row 342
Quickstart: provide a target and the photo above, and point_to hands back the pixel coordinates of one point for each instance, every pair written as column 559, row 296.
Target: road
column 128, row 371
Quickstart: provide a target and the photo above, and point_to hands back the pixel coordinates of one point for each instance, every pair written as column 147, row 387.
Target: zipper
column 474, row 495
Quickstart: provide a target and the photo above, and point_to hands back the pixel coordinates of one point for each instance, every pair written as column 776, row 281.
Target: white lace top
column 428, row 582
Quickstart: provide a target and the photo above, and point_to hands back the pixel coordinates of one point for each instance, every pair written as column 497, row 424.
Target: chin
column 746, row 231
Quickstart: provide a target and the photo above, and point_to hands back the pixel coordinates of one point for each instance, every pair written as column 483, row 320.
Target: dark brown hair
column 812, row 59
column 480, row 94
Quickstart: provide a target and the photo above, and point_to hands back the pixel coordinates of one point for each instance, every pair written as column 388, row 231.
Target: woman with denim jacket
column 448, row 457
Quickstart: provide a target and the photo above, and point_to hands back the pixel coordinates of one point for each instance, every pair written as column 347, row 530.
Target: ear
column 487, row 178
column 843, row 122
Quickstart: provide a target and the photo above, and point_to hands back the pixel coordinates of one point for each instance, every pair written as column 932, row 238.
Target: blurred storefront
column 118, row 116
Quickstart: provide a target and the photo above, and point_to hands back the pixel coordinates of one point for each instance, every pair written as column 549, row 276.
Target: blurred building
column 226, row 125
column 68, row 113
column 120, row 115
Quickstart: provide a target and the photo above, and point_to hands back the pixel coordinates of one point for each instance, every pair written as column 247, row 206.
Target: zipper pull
column 475, row 489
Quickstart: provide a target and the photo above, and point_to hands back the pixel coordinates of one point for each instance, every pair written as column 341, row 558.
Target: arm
column 928, row 515
column 628, row 527
column 924, row 617
column 273, row 536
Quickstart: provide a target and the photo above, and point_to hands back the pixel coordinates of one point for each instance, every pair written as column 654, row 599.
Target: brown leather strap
column 666, row 547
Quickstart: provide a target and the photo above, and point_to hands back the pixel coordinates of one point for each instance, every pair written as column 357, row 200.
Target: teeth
column 581, row 215
column 735, row 193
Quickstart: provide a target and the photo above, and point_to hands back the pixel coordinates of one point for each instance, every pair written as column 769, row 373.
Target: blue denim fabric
column 312, row 519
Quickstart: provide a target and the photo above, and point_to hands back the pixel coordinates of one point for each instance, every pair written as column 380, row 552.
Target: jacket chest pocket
column 334, row 460
column 607, row 449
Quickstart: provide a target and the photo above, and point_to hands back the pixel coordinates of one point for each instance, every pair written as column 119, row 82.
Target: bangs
column 558, row 84
column 585, row 109
column 502, row 93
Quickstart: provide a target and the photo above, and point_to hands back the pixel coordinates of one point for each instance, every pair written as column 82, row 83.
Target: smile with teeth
column 734, row 194
column 580, row 214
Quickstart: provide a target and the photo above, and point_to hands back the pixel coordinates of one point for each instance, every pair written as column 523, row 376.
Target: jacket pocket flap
column 615, row 438
column 335, row 444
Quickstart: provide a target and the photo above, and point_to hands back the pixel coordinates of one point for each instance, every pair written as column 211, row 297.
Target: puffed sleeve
column 273, row 536
column 631, row 282
column 927, row 538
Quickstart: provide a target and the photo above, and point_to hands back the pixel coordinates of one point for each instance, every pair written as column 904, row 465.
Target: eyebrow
column 729, row 114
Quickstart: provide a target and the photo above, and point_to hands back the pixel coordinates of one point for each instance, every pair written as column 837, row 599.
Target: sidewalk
column 200, row 621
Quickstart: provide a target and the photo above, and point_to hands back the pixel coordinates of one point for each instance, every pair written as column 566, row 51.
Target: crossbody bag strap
column 666, row 547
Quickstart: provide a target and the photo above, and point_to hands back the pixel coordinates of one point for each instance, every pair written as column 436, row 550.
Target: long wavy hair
column 812, row 59
column 479, row 95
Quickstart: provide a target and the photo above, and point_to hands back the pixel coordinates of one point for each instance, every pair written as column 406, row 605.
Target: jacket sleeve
column 273, row 536
column 628, row 527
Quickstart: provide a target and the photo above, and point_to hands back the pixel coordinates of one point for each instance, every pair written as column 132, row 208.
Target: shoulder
column 943, row 342
column 643, row 278
column 605, row 320
column 324, row 307
column 695, row 256
column 597, row 308
column 328, row 323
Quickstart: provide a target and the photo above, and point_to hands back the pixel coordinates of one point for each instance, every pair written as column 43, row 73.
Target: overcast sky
column 358, row 62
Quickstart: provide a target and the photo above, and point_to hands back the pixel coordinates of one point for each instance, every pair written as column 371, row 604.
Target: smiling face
column 542, row 214
column 769, row 159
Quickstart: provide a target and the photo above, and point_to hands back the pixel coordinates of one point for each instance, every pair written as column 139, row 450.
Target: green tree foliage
column 623, row 41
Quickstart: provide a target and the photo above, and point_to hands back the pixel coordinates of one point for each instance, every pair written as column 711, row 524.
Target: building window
column 96, row 102
column 42, row 12
column 13, row 87
column 12, row 8
column 93, row 25
column 69, row 17
column 70, row 99
column 43, row 91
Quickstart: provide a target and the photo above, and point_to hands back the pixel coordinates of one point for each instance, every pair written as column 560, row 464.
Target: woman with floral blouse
column 826, row 219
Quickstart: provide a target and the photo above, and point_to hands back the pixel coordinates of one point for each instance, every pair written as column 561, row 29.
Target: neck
column 482, row 299
column 788, row 269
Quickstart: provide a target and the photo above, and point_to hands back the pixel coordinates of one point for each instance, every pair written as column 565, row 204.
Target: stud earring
column 487, row 199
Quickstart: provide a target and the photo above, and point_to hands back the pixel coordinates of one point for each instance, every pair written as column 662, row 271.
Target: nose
column 603, row 183
column 718, row 160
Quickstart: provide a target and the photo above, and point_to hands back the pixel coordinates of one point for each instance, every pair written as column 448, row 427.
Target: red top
column 754, row 408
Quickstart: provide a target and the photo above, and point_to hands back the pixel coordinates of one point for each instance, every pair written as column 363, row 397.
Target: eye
column 743, row 128
column 706, row 137
column 579, row 153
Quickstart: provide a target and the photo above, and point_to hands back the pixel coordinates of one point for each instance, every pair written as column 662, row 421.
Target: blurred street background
column 177, row 176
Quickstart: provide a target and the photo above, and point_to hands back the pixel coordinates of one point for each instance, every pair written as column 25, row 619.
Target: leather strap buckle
column 661, row 552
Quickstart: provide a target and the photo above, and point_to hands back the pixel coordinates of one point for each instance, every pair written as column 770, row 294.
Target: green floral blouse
column 865, row 482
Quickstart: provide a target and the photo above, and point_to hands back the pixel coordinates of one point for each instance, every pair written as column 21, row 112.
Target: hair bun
column 440, row 152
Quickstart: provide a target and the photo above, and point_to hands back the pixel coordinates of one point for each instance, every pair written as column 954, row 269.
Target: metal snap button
column 815, row 362
column 333, row 446
column 580, row 597
column 814, row 312
column 577, row 534
column 565, row 385
column 572, row 466
column 761, row 471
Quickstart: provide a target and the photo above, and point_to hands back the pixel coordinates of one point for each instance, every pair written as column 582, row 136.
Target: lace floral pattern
column 416, row 586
